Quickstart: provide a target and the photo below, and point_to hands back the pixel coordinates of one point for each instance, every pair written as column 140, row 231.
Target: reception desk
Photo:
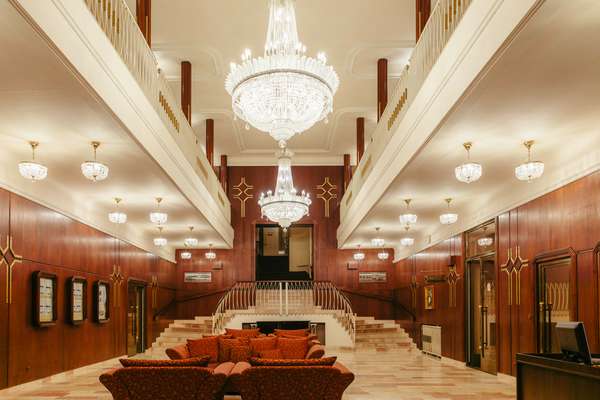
column 547, row 376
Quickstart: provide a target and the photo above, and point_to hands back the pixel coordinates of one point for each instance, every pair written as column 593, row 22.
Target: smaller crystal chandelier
column 383, row 255
column 93, row 170
column 157, row 217
column 359, row 255
column 160, row 241
column 485, row 241
column 191, row 241
column 408, row 218
column 377, row 242
column 31, row 169
column 448, row 218
column 117, row 217
column 210, row 254
column 285, row 206
column 407, row 240
column 529, row 170
column 469, row 171
column 185, row 255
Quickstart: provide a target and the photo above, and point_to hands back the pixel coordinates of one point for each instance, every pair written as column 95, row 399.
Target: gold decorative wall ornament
column 328, row 193
column 154, row 288
column 117, row 279
column 243, row 192
column 452, row 278
column 9, row 258
column 513, row 266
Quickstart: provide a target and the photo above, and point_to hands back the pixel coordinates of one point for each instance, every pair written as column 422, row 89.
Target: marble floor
column 390, row 375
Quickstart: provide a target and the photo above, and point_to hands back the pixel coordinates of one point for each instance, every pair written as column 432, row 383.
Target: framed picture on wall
column 352, row 265
column 45, row 289
column 77, row 299
column 429, row 297
column 101, row 301
column 372, row 277
column 197, row 277
column 217, row 265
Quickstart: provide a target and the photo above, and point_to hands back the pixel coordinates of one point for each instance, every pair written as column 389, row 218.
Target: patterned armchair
column 162, row 383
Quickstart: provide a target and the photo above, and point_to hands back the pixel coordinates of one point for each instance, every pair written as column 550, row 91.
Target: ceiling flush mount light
column 283, row 92
column 117, row 217
column 529, row 170
column 93, row 170
column 448, row 218
column 31, row 169
column 408, row 218
column 190, row 241
column 407, row 241
column 157, row 217
column 160, row 241
column 377, row 242
column 185, row 255
column 210, row 254
column 359, row 255
column 285, row 206
column 469, row 171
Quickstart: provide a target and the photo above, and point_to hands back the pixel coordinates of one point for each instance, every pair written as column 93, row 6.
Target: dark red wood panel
column 4, row 232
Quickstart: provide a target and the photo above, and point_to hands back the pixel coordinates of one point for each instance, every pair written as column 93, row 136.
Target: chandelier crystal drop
column 157, row 217
column 485, row 241
column 284, row 92
column 190, row 241
column 160, row 241
column 529, row 170
column 469, row 171
column 93, row 170
column 408, row 218
column 185, row 255
column 117, row 217
column 448, row 218
column 31, row 169
column 359, row 255
column 284, row 206
column 210, row 254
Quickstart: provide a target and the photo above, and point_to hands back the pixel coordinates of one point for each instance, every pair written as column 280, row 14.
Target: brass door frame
column 139, row 287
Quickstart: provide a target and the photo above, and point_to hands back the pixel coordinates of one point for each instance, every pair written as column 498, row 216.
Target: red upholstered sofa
column 182, row 383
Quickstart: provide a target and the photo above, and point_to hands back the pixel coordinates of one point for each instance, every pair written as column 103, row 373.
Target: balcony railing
column 285, row 298
column 442, row 23
column 120, row 26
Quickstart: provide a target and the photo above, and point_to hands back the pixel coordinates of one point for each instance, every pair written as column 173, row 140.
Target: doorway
column 481, row 298
column 136, row 323
column 284, row 255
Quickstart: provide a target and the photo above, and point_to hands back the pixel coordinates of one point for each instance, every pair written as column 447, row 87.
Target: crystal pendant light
column 383, row 255
column 210, row 254
column 160, row 241
column 157, row 217
column 31, row 169
column 185, row 255
column 191, row 241
column 117, row 217
column 408, row 218
column 284, row 92
column 377, row 241
column 285, row 206
column 485, row 241
column 529, row 170
column 93, row 170
column 407, row 241
column 359, row 255
column 448, row 218
column 469, row 171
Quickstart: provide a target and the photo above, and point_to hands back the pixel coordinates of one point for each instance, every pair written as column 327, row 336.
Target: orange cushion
column 225, row 346
column 291, row 332
column 188, row 362
column 240, row 353
column 208, row 346
column 248, row 333
column 260, row 344
column 274, row 354
column 292, row 363
column 293, row 348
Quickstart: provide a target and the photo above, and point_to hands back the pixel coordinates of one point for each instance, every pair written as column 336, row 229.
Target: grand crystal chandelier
column 284, row 206
column 283, row 92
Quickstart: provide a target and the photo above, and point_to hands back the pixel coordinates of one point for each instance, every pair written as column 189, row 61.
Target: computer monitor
column 573, row 342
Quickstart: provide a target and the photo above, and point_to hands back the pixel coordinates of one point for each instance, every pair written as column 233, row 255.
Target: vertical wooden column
column 223, row 175
column 186, row 90
column 143, row 14
column 360, row 138
column 423, row 10
column 347, row 171
column 210, row 141
column 382, row 86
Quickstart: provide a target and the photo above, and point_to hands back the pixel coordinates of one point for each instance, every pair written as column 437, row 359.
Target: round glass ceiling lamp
column 469, row 171
column 157, row 217
column 160, row 241
column 529, row 170
column 185, row 255
column 407, row 218
column 190, row 241
column 117, row 217
column 448, row 218
column 284, row 92
column 359, row 255
column 93, row 170
column 210, row 254
column 33, row 170
column 285, row 206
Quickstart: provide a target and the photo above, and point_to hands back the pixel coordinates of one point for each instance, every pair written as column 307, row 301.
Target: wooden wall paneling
column 503, row 300
column 4, row 233
column 587, row 296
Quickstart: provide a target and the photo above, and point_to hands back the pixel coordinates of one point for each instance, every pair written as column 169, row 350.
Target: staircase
column 380, row 335
column 178, row 332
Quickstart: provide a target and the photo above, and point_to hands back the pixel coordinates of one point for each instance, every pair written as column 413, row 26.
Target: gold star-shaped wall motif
column 243, row 192
column 328, row 193
column 452, row 278
column 513, row 266
column 9, row 259
column 117, row 278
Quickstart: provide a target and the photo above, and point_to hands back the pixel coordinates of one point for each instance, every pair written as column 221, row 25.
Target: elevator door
column 135, row 319
column 482, row 313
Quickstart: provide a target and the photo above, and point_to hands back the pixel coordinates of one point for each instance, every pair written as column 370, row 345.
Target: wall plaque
column 101, row 301
column 372, row 277
column 45, row 287
column 77, row 299
column 197, row 277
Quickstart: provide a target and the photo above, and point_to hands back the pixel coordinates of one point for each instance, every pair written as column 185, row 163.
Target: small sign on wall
column 372, row 277
column 197, row 277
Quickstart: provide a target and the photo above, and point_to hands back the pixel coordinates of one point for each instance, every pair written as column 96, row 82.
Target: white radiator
column 431, row 338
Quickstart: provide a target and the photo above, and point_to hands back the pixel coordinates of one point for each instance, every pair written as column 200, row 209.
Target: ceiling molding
column 214, row 55
column 353, row 54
